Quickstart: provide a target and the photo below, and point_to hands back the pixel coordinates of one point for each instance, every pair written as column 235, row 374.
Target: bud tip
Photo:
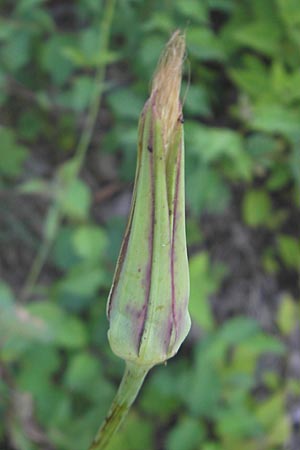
column 167, row 82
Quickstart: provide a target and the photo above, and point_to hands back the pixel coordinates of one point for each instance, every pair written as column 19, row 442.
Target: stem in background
column 86, row 135
column 131, row 383
column 80, row 152
column 54, row 214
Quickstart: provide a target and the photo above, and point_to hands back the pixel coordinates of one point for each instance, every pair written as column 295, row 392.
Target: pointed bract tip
column 167, row 82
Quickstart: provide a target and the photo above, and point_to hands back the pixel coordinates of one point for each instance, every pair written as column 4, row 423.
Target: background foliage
column 64, row 196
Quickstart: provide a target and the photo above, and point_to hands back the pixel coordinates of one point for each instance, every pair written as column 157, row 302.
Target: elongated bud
column 147, row 305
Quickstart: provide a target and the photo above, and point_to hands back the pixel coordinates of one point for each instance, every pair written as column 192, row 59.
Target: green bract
column 148, row 302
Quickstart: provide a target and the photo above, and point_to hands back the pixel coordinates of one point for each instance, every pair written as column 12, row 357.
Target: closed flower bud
column 148, row 303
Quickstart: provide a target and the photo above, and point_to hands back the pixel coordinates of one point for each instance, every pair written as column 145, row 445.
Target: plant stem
column 131, row 383
column 86, row 135
column 42, row 254
column 80, row 152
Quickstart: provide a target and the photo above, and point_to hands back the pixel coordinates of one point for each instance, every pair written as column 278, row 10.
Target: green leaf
column 15, row 53
column 42, row 361
column 54, row 61
column 193, row 9
column 89, row 42
column 294, row 163
column 289, row 10
column 53, row 407
column 275, row 119
column 263, row 36
column 125, row 104
column 252, row 77
column 285, row 83
column 63, row 252
column 213, row 143
column 51, row 223
column 271, row 409
column 12, row 155
column 89, row 242
column 203, row 390
column 7, row 29
column 280, row 432
column 279, row 177
column 204, row 45
column 82, row 372
column 136, row 434
column 27, row 5
column 211, row 445
column 65, row 330
column 269, row 260
column 289, row 250
column 256, row 207
column 158, row 397
column 3, row 88
column 193, row 232
column 271, row 413
column 75, row 200
column 30, row 125
column 226, row 6
column 87, row 52
column 261, row 148
column 34, row 186
column 19, row 329
column 205, row 189
column 17, row 433
column 81, row 280
column 197, row 100
column 186, row 435
column 288, row 315
column 203, row 284
column 238, row 330
column 150, row 47
column 81, row 93
column 262, row 343
column 237, row 423
column 6, row 296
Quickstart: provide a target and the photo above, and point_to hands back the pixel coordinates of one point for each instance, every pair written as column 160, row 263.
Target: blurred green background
column 65, row 188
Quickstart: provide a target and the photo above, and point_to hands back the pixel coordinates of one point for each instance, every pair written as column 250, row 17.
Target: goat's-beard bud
column 148, row 302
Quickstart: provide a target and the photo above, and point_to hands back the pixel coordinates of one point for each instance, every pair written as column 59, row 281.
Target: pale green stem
column 131, row 383
column 80, row 152
column 98, row 85
column 43, row 251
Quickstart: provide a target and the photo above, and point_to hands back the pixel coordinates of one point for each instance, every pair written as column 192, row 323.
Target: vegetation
column 73, row 79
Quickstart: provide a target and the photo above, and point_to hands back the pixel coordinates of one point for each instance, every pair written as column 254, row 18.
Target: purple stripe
column 148, row 276
column 174, row 318
column 125, row 242
column 119, row 268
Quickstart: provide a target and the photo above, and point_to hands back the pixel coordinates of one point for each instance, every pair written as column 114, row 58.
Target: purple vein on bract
column 147, row 280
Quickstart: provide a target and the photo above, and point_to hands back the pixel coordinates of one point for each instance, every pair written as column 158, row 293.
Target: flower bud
column 148, row 302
